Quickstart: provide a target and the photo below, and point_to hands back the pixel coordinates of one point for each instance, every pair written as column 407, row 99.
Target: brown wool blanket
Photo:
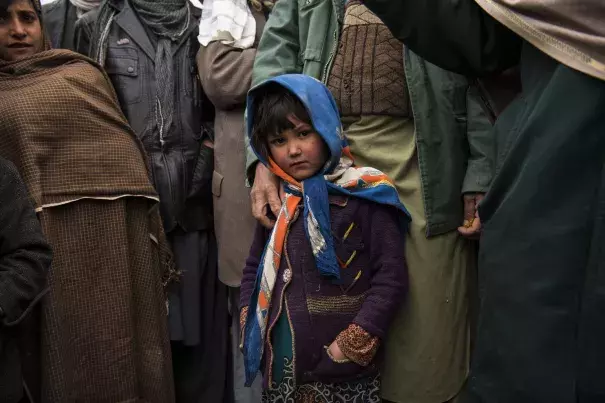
column 104, row 331
column 570, row 31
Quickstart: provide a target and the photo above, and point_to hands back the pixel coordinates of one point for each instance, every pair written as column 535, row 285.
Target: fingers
column 265, row 191
column 473, row 231
column 469, row 211
column 259, row 204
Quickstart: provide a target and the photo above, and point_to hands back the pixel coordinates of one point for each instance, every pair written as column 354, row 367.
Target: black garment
column 25, row 257
column 199, row 322
column 60, row 19
column 542, row 258
column 181, row 166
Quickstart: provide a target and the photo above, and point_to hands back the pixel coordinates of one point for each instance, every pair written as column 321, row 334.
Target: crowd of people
column 244, row 201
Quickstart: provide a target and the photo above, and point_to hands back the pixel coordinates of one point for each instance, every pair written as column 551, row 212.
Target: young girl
column 319, row 291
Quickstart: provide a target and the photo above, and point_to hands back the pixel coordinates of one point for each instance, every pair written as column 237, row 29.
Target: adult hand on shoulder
column 471, row 227
column 265, row 191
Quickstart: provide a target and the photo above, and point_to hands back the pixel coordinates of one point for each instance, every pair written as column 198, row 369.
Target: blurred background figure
column 225, row 60
column 60, row 17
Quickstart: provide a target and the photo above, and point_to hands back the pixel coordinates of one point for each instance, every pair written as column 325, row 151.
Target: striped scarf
column 339, row 177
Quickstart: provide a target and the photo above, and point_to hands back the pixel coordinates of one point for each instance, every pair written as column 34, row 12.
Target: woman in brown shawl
column 104, row 333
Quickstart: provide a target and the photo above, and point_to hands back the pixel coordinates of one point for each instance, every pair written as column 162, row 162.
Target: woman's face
column 20, row 31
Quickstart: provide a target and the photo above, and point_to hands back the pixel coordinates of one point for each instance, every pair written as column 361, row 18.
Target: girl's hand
column 336, row 352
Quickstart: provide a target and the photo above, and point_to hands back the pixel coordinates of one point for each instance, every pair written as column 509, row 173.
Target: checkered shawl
column 104, row 333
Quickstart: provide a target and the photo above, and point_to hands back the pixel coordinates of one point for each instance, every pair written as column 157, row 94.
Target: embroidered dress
column 283, row 389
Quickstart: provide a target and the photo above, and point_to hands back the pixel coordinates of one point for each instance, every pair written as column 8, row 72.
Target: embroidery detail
column 358, row 345
column 287, row 275
column 341, row 304
column 362, row 391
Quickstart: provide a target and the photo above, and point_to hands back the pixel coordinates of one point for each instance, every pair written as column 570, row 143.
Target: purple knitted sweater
column 369, row 241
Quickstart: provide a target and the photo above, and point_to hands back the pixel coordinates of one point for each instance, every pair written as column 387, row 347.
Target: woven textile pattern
column 104, row 321
column 367, row 77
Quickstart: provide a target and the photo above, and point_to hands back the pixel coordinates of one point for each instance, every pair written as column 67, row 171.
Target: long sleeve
column 25, row 255
column 454, row 34
column 225, row 73
column 481, row 143
column 277, row 54
column 388, row 285
column 252, row 263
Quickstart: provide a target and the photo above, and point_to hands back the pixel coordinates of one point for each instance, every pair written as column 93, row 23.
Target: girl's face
column 300, row 151
column 20, row 31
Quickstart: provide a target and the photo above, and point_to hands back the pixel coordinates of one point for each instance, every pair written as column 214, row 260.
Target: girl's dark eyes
column 304, row 133
column 277, row 141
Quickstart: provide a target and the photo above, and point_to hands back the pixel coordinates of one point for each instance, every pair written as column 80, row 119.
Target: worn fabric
column 199, row 321
column 427, row 348
column 547, row 346
column 60, row 19
column 25, row 258
column 182, row 169
column 338, row 176
column 181, row 166
column 455, row 145
column 86, row 5
column 571, row 32
column 358, row 345
column 372, row 288
column 168, row 20
column 242, row 394
column 540, row 261
column 285, row 389
column 87, row 176
column 225, row 73
column 369, row 79
column 228, row 21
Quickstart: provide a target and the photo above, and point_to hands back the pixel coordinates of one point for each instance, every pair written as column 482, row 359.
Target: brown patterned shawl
column 570, row 31
column 104, row 331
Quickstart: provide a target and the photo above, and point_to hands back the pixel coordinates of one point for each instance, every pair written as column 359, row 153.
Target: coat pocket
column 125, row 76
column 330, row 371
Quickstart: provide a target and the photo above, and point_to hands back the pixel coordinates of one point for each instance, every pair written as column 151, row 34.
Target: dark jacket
column 25, row 257
column 542, row 258
column 182, row 167
column 60, row 19
column 319, row 310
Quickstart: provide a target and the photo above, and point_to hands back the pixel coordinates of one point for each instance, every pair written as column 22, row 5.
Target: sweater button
column 131, row 69
column 287, row 276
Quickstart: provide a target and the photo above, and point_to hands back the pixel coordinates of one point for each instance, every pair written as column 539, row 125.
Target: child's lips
column 299, row 164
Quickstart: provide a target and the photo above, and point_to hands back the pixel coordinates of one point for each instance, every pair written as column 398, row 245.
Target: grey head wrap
column 86, row 5
column 169, row 20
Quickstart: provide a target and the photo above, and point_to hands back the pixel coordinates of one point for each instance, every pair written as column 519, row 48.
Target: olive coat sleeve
column 25, row 256
column 456, row 35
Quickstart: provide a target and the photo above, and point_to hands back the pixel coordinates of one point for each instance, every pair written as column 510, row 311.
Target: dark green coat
column 542, row 261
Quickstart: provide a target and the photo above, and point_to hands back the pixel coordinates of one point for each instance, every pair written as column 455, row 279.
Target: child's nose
column 294, row 149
